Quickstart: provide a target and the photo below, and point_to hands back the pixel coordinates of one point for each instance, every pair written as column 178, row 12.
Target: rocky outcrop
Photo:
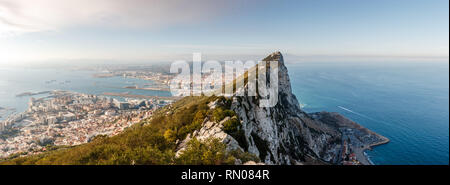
column 282, row 134
column 210, row 129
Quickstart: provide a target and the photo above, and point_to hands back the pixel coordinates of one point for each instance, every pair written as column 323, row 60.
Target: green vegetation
column 231, row 126
column 170, row 135
column 219, row 114
column 212, row 152
column 152, row 141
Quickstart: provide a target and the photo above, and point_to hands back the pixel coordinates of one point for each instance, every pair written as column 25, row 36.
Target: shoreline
column 385, row 140
column 126, row 95
column 165, row 89
column 356, row 139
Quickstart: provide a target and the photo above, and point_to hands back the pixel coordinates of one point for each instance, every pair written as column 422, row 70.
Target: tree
column 170, row 135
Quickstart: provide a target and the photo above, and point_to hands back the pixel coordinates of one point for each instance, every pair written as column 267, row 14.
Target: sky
column 167, row 30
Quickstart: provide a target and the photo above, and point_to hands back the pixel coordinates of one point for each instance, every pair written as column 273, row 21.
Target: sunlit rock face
column 279, row 134
column 282, row 134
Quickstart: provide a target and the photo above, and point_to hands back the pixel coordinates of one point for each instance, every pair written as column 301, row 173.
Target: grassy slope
column 152, row 141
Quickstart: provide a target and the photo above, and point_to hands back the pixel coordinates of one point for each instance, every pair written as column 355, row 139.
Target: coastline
column 368, row 158
column 385, row 140
column 370, row 147
column 127, row 95
column 149, row 88
column 356, row 139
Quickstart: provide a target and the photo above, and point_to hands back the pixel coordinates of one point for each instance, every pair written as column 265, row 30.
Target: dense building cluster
column 67, row 118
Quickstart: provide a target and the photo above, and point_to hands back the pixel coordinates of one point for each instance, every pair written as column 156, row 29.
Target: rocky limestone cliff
column 282, row 134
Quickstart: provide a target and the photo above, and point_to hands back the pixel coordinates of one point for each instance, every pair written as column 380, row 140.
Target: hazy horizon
column 151, row 31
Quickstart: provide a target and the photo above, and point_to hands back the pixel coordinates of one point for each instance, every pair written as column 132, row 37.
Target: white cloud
column 20, row 16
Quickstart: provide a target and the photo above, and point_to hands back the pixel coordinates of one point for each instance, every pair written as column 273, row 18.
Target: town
column 67, row 118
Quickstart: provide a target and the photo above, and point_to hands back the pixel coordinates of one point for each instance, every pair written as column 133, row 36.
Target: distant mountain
column 227, row 130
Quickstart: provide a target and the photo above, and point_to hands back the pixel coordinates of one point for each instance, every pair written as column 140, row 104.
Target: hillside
column 152, row 141
column 226, row 130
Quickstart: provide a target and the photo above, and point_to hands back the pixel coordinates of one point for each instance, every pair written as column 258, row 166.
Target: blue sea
column 408, row 102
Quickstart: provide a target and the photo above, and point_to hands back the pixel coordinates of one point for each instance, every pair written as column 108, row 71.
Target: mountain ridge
column 227, row 130
column 285, row 134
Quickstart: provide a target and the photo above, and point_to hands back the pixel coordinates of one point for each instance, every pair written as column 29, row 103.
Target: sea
column 407, row 102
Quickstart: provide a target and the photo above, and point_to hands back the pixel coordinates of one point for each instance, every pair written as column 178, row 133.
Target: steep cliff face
column 283, row 134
